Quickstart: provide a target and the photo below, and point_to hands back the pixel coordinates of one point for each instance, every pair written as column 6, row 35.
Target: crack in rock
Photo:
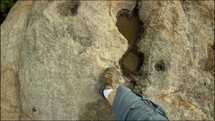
column 130, row 26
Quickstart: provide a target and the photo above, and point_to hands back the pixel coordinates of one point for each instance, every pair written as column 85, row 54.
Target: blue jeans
column 128, row 105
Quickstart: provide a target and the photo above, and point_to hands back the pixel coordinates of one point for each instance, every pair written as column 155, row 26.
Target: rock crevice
column 130, row 26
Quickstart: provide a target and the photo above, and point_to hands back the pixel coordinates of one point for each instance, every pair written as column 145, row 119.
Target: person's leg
column 128, row 105
column 113, row 78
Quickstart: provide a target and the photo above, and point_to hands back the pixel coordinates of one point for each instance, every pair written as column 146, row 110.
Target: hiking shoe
column 113, row 78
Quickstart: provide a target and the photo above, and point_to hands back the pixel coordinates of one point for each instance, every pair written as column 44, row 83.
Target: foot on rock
column 113, row 78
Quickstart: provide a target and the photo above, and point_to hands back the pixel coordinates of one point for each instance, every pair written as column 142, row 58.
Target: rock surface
column 11, row 36
column 178, row 43
column 54, row 52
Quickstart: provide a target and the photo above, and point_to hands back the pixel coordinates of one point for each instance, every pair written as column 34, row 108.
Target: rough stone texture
column 53, row 54
column 56, row 51
column 11, row 36
column 178, row 37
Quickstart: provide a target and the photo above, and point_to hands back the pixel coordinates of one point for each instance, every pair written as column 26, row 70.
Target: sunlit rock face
column 178, row 44
column 54, row 52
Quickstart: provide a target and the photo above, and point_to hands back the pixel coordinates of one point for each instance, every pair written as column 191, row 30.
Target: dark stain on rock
column 74, row 8
column 203, row 64
column 207, row 64
column 33, row 17
column 34, row 109
column 81, row 35
column 210, row 57
column 130, row 26
column 85, row 41
column 69, row 8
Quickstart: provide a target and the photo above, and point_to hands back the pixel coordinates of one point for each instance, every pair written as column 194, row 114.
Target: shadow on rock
column 99, row 110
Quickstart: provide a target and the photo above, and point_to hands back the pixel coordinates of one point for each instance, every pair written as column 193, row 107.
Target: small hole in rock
column 34, row 109
column 74, row 8
column 160, row 66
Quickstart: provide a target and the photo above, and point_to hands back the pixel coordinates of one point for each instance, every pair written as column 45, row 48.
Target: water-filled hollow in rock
column 130, row 26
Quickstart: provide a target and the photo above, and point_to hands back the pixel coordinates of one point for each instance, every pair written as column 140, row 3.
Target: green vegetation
column 5, row 6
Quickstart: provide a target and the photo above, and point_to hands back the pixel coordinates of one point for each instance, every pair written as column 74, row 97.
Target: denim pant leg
column 128, row 105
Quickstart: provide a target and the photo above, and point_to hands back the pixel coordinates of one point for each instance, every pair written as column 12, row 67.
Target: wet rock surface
column 54, row 52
